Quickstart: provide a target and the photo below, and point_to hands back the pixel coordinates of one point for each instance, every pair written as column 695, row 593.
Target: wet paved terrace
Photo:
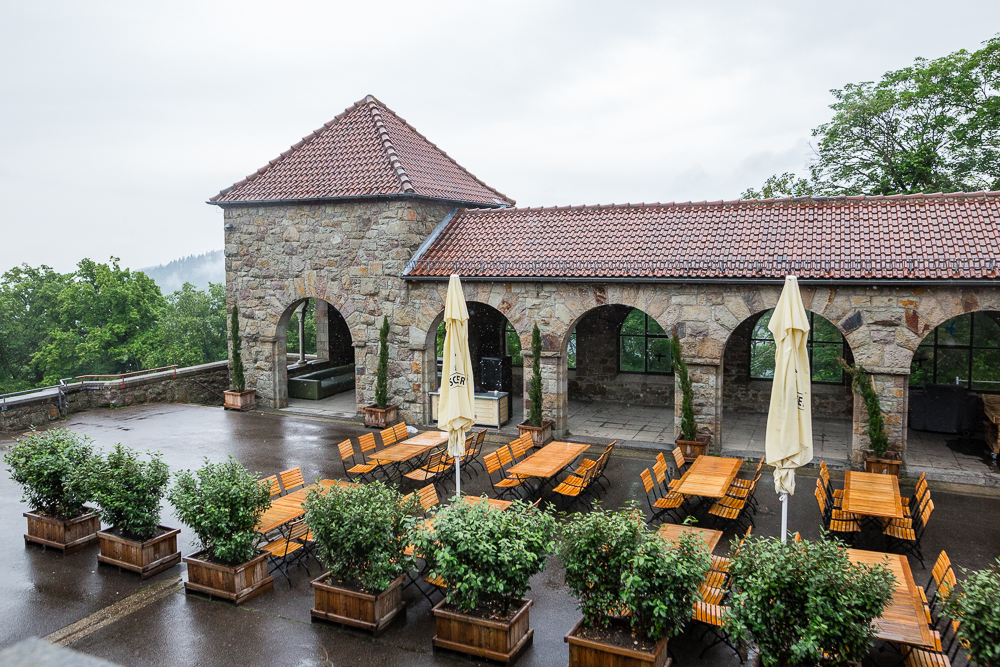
column 42, row 593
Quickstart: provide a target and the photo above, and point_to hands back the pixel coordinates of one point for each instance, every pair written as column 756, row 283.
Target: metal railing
column 122, row 376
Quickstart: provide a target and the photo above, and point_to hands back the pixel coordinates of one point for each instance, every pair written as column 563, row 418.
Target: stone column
column 364, row 381
column 322, row 330
column 272, row 378
column 892, row 387
column 302, row 333
column 706, row 385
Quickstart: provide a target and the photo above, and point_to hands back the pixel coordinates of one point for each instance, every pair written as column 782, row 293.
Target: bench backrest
column 401, row 432
column 388, row 436
column 272, row 485
column 292, row 479
column 492, row 463
column 346, row 450
column 428, row 497
column 367, row 443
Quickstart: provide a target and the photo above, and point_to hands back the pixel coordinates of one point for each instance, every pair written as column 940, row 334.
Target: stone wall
column 196, row 384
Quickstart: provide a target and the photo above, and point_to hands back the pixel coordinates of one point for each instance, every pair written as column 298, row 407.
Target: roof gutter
column 872, row 282
column 321, row 200
column 428, row 241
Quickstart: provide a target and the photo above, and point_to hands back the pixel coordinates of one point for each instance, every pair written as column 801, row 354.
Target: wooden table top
column 495, row 503
column 872, row 495
column 548, row 460
column 709, row 476
column 903, row 620
column 411, row 447
column 672, row 531
column 290, row 507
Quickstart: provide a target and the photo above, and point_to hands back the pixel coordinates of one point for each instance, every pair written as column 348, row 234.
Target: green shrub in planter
column 361, row 533
column 977, row 606
column 621, row 572
column 486, row 556
column 801, row 601
column 48, row 465
column 222, row 503
column 129, row 490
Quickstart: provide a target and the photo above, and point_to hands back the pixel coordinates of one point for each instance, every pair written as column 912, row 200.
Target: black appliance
column 495, row 375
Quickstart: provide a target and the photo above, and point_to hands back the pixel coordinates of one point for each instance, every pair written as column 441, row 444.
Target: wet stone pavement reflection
column 42, row 592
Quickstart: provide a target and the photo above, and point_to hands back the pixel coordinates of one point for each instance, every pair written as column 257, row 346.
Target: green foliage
column 382, row 371
column 221, row 503
column 28, row 301
column 620, row 571
column 977, row 607
column 105, row 321
column 129, row 490
column 48, row 465
column 689, row 429
column 786, row 185
column 800, row 601
column 191, row 330
column 236, row 377
column 485, row 556
column 861, row 382
column 361, row 533
column 535, row 384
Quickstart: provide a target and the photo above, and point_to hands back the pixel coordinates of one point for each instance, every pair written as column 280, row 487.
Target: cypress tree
column 382, row 372
column 535, row 387
column 689, row 429
column 238, row 381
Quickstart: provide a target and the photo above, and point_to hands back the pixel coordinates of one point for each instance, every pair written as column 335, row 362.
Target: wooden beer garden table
column 903, row 620
column 411, row 447
column 709, row 477
column 672, row 531
column 870, row 494
column 495, row 503
column 290, row 507
column 548, row 461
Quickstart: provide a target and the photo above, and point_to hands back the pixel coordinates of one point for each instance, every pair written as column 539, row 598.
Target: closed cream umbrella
column 456, row 406
column 788, row 443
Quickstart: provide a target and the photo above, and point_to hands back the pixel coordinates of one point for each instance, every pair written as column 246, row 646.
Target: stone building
column 369, row 218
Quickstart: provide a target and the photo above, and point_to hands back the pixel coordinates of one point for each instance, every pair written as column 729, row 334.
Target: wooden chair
column 745, row 492
column 388, row 437
column 908, row 539
column 363, row 472
column 944, row 580
column 573, row 488
column 945, row 649
column 734, row 511
column 428, row 497
column 505, row 486
column 430, row 472
column 401, row 432
column 519, row 448
column 844, row 528
column 272, row 485
column 287, row 551
column 920, row 494
column 473, row 452
column 722, row 563
column 662, row 500
column 713, row 617
column 291, row 479
column 834, row 497
column 747, row 483
column 679, row 460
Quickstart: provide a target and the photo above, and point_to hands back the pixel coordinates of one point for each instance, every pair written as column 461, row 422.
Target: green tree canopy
column 28, row 310
column 192, row 329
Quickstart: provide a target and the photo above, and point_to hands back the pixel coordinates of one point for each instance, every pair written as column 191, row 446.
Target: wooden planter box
column 377, row 417
column 503, row 641
column 68, row 536
column 240, row 400
column 236, row 583
column 374, row 613
column 589, row 653
column 694, row 448
column 540, row 435
column 883, row 466
column 146, row 558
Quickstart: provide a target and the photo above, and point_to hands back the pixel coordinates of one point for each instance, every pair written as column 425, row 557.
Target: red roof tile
column 366, row 151
column 930, row 236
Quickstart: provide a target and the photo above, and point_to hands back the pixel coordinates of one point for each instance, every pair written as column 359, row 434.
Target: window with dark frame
column 825, row 346
column 643, row 346
column 965, row 351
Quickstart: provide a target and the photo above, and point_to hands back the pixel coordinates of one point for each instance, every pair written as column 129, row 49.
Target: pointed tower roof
column 367, row 151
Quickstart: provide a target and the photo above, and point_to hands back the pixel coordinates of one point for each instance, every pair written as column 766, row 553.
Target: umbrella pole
column 458, row 476
column 784, row 517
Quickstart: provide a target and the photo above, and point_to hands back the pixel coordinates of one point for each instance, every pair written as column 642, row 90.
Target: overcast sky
column 119, row 119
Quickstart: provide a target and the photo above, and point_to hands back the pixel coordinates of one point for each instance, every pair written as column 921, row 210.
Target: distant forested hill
column 199, row 270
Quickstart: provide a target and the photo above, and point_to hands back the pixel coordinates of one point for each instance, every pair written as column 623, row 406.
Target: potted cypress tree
column 635, row 590
column 239, row 397
column 380, row 414
column 977, row 608
column 486, row 557
column 878, row 459
column 129, row 491
column 805, row 604
column 690, row 442
column 539, row 427
column 222, row 503
column 361, row 536
column 48, row 465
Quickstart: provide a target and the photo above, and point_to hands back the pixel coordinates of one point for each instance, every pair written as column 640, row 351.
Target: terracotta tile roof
column 907, row 236
column 366, row 151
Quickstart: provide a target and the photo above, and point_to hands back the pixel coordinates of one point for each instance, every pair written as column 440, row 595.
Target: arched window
column 964, row 347
column 825, row 344
column 643, row 345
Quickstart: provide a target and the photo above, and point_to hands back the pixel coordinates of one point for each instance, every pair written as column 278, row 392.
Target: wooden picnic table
column 495, row 503
column 903, row 620
column 871, row 494
column 549, row 460
column 672, row 531
column 288, row 508
column 709, row 477
column 411, row 447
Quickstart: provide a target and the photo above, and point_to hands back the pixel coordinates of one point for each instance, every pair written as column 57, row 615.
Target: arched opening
column 315, row 354
column 620, row 382
column 748, row 373
column 955, row 369
column 497, row 367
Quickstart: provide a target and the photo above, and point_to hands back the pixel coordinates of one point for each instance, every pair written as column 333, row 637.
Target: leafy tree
column 689, row 428
column 977, row 607
column 28, row 304
column 105, row 319
column 786, row 185
column 192, row 329
column 47, row 465
column 382, row 371
column 535, row 384
column 236, row 374
column 129, row 490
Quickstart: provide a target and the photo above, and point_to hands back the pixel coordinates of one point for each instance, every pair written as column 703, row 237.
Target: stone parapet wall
column 202, row 384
